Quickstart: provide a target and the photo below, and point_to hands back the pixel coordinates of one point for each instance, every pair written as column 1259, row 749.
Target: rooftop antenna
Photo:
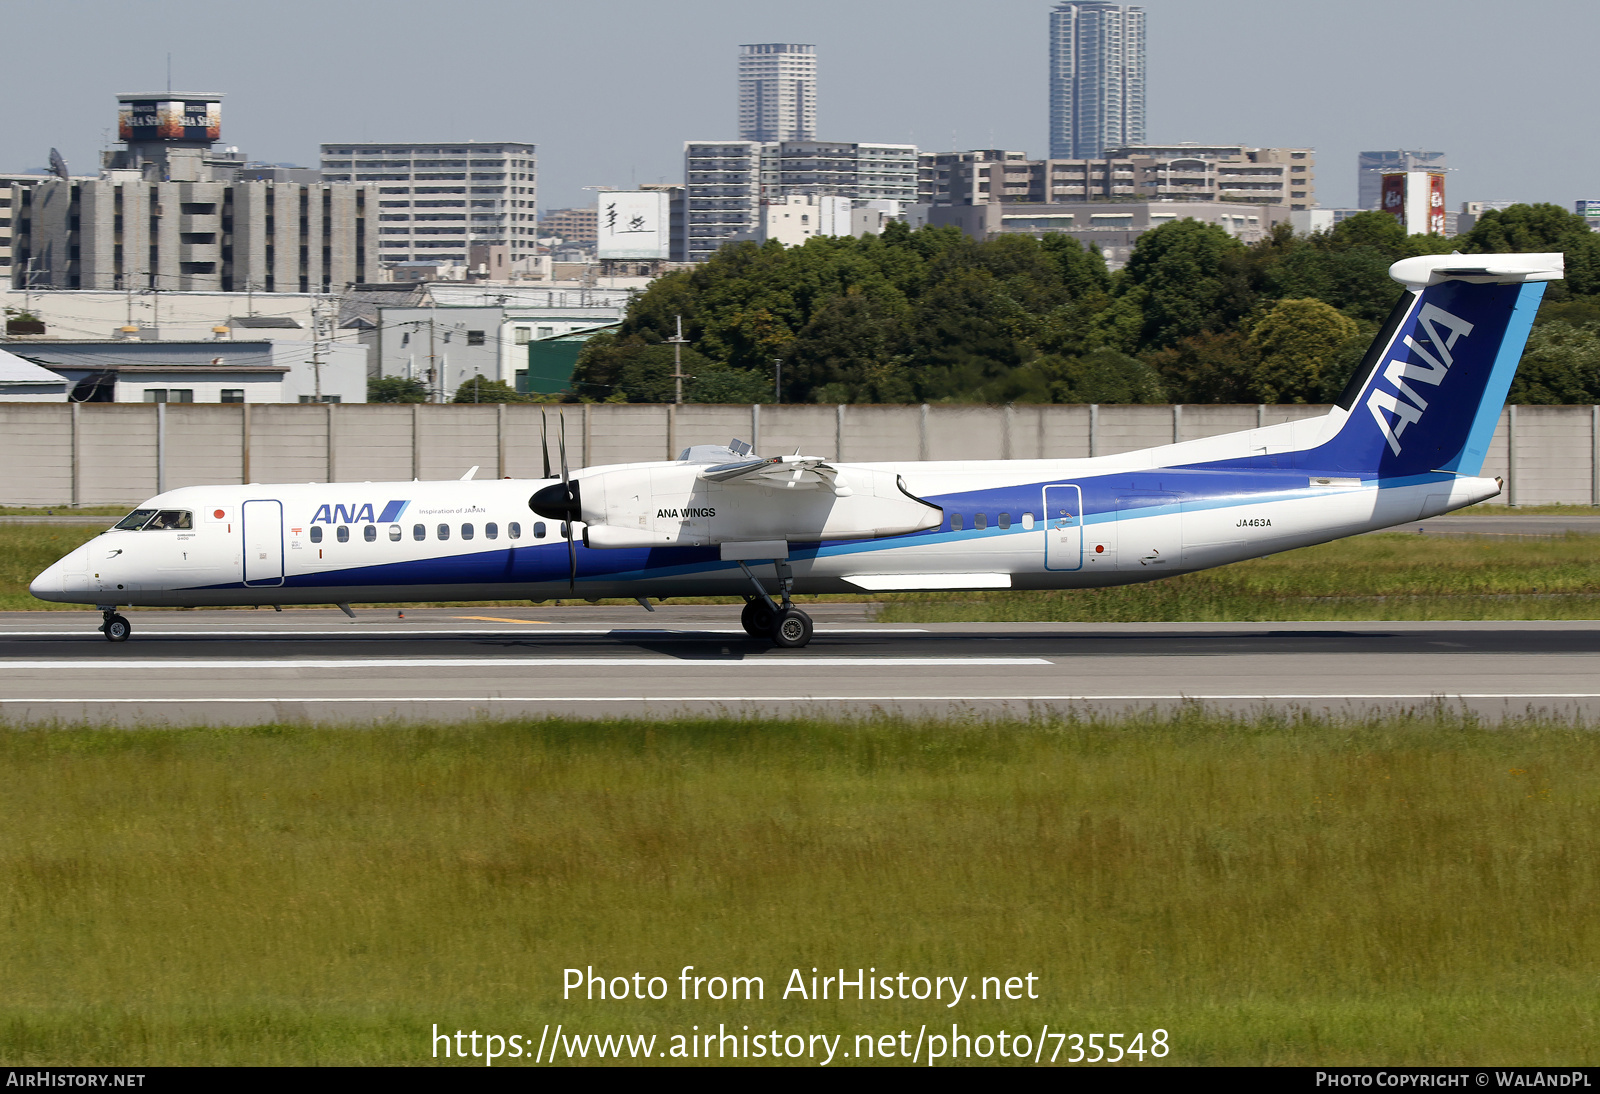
column 169, row 73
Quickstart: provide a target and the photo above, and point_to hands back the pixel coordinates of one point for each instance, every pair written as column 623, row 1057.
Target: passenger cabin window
column 394, row 533
column 1027, row 520
column 370, row 533
column 955, row 522
column 538, row 530
column 491, row 531
column 419, row 532
column 466, row 531
column 980, row 522
column 1005, row 520
column 316, row 534
column 444, row 531
column 343, row 534
column 513, row 530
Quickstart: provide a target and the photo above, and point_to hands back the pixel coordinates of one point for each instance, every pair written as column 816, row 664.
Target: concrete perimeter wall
column 120, row 454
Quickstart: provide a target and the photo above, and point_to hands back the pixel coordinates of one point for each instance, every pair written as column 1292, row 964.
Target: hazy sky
column 610, row 89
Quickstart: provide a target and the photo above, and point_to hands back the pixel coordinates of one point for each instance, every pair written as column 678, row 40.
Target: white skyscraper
column 1096, row 78
column 777, row 92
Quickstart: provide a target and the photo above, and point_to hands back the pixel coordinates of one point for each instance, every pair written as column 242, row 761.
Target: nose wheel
column 116, row 628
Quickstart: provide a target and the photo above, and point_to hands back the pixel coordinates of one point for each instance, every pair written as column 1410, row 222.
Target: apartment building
column 126, row 233
column 727, row 182
column 434, row 200
column 571, row 225
column 1184, row 172
column 1113, row 227
column 11, row 187
column 1097, row 78
column 777, row 92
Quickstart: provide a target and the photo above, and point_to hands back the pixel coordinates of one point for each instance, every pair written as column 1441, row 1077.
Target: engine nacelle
column 673, row 505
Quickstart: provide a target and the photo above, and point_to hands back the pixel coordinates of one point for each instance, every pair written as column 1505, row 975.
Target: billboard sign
column 169, row 120
column 1394, row 196
column 634, row 224
column 1416, row 199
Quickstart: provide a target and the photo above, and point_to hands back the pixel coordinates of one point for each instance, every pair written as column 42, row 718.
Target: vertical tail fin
column 1430, row 390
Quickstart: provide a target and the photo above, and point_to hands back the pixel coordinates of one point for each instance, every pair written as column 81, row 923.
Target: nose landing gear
column 116, row 628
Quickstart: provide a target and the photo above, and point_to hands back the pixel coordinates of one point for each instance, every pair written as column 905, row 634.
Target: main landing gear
column 115, row 627
column 786, row 625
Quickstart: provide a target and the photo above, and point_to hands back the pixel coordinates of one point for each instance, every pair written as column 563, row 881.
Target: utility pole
column 316, row 351
column 777, row 383
column 433, row 363
column 677, row 363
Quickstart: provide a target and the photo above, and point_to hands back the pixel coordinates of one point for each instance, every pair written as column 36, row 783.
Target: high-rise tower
column 1096, row 78
column 777, row 92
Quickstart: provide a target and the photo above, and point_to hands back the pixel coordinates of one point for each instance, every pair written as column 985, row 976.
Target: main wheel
column 792, row 629
column 117, row 629
column 756, row 619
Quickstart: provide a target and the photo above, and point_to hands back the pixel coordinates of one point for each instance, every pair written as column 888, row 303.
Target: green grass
column 1410, row 890
column 65, row 510
column 26, row 550
column 1368, row 577
column 1490, row 509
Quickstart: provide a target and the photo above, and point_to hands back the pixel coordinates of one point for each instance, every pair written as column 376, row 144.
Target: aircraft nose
column 48, row 585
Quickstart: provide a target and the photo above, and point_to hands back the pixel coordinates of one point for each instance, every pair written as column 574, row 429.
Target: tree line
column 1195, row 317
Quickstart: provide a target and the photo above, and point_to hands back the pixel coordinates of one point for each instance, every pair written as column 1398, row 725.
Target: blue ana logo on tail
column 1427, row 366
column 359, row 513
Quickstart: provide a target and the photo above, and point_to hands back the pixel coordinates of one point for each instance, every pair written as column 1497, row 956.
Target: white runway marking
column 1415, row 696
column 84, row 665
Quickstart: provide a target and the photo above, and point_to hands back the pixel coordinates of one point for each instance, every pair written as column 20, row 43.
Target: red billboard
column 1394, row 196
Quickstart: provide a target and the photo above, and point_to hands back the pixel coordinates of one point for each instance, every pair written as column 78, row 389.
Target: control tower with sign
column 168, row 136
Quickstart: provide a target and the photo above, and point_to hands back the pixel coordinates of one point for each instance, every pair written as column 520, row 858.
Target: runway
column 450, row 664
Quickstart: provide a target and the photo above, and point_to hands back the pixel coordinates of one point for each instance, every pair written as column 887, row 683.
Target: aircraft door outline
column 1063, row 528
column 262, row 529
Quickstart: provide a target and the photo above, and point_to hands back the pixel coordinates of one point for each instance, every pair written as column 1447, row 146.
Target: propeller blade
column 561, row 439
column 572, row 560
column 544, row 441
column 571, row 495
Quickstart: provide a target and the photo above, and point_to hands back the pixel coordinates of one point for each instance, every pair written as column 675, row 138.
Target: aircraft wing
column 781, row 473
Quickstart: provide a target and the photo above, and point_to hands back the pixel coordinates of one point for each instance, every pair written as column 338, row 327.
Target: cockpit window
column 156, row 520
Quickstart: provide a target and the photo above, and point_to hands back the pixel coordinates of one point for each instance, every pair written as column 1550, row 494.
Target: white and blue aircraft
column 1406, row 440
